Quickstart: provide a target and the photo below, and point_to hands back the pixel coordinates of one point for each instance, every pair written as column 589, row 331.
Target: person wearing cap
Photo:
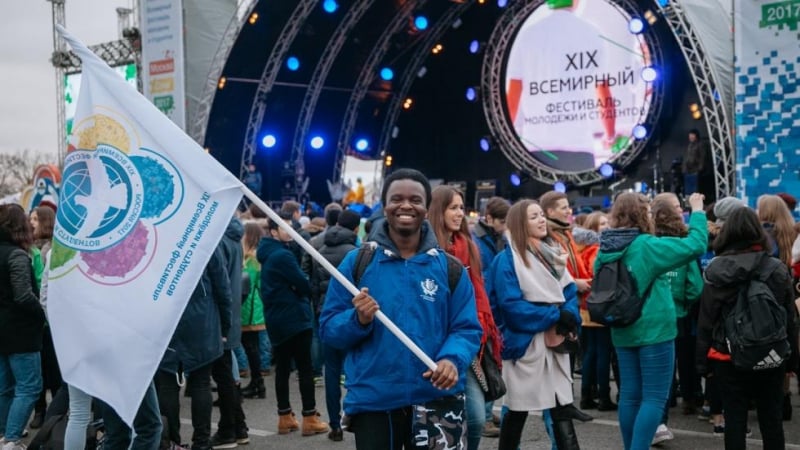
column 725, row 206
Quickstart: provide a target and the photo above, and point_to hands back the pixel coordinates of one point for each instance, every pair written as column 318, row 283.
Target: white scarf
column 536, row 282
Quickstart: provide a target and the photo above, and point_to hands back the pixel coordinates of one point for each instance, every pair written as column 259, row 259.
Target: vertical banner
column 767, row 97
column 162, row 57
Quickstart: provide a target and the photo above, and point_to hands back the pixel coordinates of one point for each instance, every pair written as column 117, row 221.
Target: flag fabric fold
column 142, row 208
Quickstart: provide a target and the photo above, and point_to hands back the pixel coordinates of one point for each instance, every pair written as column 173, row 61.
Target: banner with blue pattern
column 767, row 43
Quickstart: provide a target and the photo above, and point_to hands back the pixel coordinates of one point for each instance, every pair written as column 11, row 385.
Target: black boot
column 606, row 404
column 787, row 407
column 255, row 389
column 564, row 434
column 569, row 412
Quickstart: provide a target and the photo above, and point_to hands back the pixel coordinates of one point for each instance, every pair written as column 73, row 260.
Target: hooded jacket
column 197, row 340
column 489, row 242
column 725, row 276
column 284, row 291
column 338, row 241
column 231, row 245
column 382, row 374
column 649, row 258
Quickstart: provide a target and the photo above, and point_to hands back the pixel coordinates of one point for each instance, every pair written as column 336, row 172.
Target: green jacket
column 649, row 258
column 38, row 265
column 686, row 284
column 253, row 307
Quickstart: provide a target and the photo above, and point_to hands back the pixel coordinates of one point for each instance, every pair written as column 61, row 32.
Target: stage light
column 502, row 3
column 481, row 2
column 474, row 46
column 221, row 83
column 437, row 49
column 472, row 94
column 485, row 144
column 292, row 63
column 457, row 23
column 606, row 170
column 694, row 107
column 362, row 144
column 560, row 186
column 269, row 141
column 662, row 3
column 330, row 6
column 253, row 18
column 515, row 179
column 421, row 22
column 697, row 115
column 650, row 17
column 388, row 161
column 317, row 142
column 640, row 131
column 387, row 74
column 636, row 25
column 649, row 74
column 408, row 103
column 422, row 71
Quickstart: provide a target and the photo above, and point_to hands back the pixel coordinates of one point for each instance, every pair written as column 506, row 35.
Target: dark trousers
column 250, row 344
column 231, row 415
column 146, row 424
column 689, row 381
column 51, row 374
column 298, row 349
column 511, row 429
column 387, row 430
column 198, row 385
column 596, row 362
column 334, row 368
column 738, row 388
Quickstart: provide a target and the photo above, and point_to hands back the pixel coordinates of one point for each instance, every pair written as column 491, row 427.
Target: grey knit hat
column 725, row 206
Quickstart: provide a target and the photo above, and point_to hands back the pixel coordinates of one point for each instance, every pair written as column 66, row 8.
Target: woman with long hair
column 253, row 310
column 777, row 221
column 742, row 255
column 645, row 348
column 537, row 301
column 21, row 324
column 446, row 215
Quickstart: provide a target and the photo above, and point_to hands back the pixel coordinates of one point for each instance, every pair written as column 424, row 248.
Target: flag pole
column 338, row 275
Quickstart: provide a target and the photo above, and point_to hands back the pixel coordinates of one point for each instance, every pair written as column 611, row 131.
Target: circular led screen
column 577, row 82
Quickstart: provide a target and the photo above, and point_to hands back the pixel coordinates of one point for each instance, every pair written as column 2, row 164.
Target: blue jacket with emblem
column 381, row 373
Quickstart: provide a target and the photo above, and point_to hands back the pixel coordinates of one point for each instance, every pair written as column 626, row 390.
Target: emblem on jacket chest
column 429, row 289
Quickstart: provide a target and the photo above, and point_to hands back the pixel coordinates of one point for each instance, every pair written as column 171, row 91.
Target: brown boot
column 288, row 423
column 312, row 425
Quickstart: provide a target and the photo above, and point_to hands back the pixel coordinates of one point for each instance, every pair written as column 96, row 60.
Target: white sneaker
column 14, row 445
column 662, row 434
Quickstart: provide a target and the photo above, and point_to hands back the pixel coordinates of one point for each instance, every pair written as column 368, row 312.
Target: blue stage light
column 317, row 142
column 636, row 25
column 640, row 131
column 472, row 94
column 560, row 186
column 269, row 141
column 662, row 3
column 387, row 74
column 649, row 74
column 485, row 144
column 474, row 46
column 515, row 179
column 606, row 170
column 502, row 3
column 330, row 6
column 362, row 144
column 292, row 63
column 421, row 22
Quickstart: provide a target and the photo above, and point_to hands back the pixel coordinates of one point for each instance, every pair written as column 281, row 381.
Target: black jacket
column 725, row 276
column 21, row 315
column 338, row 241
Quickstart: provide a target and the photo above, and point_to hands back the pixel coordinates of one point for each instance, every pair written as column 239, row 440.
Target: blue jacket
column 231, row 245
column 489, row 245
column 197, row 340
column 381, row 373
column 285, row 291
column 517, row 318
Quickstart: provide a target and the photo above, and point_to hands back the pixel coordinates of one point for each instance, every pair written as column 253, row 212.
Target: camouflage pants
column 440, row 424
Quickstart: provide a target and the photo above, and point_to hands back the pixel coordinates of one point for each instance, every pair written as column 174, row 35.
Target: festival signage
column 162, row 57
column 575, row 83
column 767, row 46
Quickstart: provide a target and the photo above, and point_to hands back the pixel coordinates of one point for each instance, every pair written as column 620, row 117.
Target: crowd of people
column 511, row 290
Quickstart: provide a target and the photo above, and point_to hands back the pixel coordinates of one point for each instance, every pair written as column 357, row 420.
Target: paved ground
column 602, row 433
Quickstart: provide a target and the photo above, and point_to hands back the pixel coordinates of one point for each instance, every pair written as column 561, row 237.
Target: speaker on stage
column 484, row 190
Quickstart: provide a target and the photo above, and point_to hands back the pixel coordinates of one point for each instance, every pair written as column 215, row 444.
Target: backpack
column 367, row 251
column 614, row 300
column 755, row 328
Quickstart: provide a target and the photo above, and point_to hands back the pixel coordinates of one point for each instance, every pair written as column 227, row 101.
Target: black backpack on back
column 755, row 328
column 614, row 300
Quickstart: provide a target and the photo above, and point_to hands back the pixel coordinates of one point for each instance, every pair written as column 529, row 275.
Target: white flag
column 141, row 209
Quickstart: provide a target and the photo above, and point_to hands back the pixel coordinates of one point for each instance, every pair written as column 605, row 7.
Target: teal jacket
column 686, row 284
column 649, row 258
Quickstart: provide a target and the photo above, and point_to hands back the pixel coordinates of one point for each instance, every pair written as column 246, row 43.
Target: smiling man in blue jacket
column 407, row 279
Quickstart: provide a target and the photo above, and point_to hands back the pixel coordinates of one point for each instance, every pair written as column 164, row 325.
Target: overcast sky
column 27, row 79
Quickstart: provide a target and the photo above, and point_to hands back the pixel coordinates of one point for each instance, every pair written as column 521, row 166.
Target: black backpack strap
column 454, row 268
column 767, row 267
column 364, row 256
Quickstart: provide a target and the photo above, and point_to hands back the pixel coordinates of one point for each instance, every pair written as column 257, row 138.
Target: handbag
column 488, row 374
column 561, row 343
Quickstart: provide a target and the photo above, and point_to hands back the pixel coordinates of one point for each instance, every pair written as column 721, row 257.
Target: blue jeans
column 334, row 368
column 646, row 374
column 146, row 424
column 475, row 407
column 241, row 358
column 316, row 349
column 596, row 361
column 80, row 415
column 689, row 184
column 20, row 385
column 265, row 347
